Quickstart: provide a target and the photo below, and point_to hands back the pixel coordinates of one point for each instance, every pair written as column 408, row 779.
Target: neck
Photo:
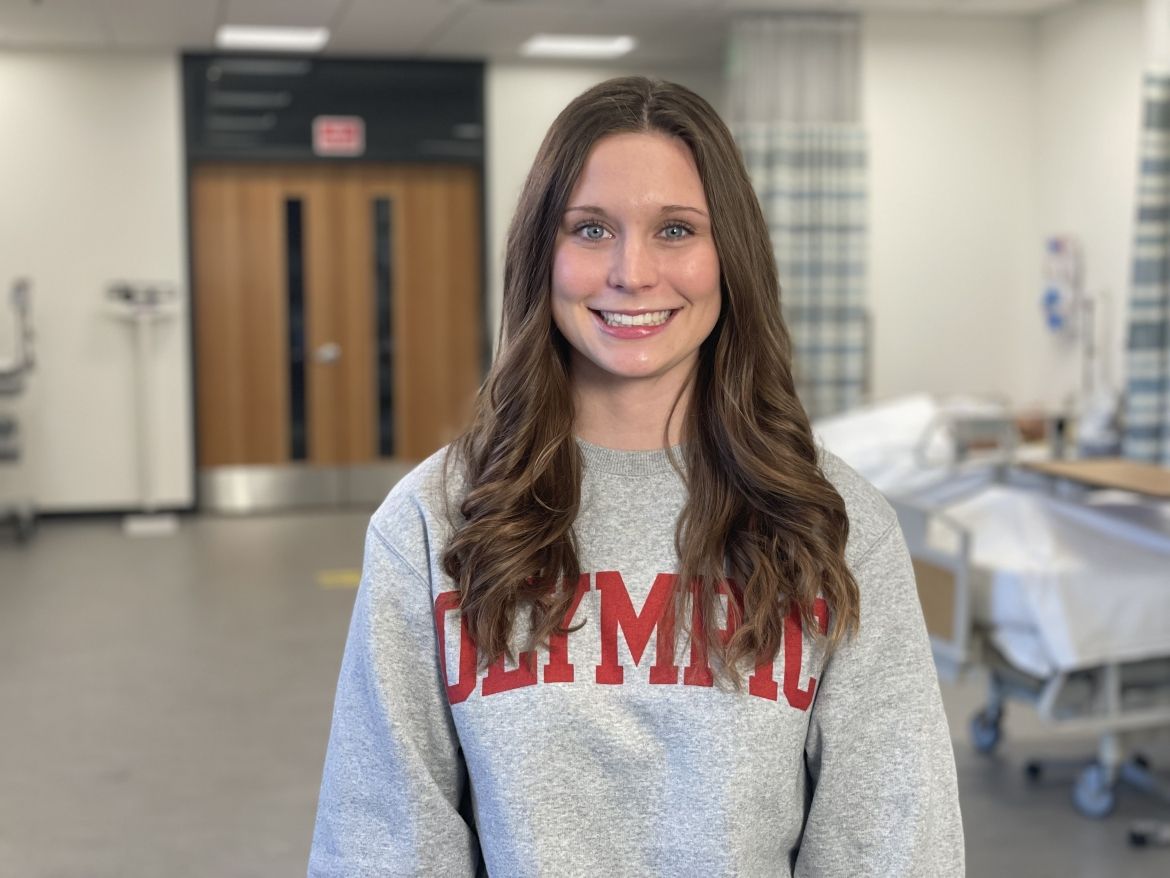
column 628, row 414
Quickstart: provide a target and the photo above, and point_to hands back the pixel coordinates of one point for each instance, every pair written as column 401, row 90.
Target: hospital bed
column 1086, row 641
column 1064, row 604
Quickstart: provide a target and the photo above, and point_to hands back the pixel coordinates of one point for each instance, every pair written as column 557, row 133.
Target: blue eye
column 676, row 231
column 591, row 231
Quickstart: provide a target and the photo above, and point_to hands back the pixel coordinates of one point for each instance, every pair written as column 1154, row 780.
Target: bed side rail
column 941, row 551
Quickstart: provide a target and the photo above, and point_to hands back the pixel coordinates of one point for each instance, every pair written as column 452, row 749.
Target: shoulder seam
column 390, row 547
column 869, row 550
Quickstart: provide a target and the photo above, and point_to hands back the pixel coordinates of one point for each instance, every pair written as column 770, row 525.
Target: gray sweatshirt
column 609, row 756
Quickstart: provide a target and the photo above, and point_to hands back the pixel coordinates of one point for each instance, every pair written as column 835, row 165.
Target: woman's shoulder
column 423, row 500
column 870, row 515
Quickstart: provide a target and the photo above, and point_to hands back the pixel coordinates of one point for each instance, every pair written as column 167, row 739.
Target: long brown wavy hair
column 759, row 512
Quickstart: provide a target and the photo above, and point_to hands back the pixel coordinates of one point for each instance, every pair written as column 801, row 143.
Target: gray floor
column 164, row 706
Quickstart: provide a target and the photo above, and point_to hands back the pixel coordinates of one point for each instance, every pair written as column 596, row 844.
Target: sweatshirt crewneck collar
column 628, row 463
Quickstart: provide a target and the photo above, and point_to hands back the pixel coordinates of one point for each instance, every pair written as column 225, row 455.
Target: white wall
column 987, row 136
column 1157, row 33
column 91, row 176
column 948, row 106
column 522, row 101
column 1089, row 72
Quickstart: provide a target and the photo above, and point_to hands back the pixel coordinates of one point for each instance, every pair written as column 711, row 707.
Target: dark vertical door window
column 295, row 255
column 384, row 323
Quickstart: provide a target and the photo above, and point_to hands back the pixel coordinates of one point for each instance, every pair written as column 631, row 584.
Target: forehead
column 639, row 169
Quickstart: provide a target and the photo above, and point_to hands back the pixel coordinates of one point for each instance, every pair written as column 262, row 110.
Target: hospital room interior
column 251, row 267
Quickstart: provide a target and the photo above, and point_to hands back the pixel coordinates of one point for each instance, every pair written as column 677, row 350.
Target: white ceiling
column 668, row 31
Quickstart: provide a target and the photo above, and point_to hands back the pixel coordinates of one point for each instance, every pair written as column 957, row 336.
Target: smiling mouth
column 646, row 318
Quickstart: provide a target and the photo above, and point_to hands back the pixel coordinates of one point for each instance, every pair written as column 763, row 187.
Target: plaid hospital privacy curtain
column 810, row 180
column 794, row 107
column 1147, row 393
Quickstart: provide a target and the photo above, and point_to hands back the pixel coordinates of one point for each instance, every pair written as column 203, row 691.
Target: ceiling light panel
column 258, row 38
column 577, row 46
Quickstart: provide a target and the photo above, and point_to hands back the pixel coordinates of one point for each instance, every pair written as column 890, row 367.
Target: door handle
column 330, row 352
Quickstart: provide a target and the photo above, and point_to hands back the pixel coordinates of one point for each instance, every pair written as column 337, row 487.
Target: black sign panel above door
column 265, row 106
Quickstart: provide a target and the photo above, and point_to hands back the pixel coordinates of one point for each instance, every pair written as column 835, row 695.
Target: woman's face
column 635, row 282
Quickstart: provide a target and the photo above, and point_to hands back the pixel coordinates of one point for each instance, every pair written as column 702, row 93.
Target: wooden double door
column 338, row 310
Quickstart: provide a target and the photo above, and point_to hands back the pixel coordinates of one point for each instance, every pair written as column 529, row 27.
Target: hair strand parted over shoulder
column 759, row 511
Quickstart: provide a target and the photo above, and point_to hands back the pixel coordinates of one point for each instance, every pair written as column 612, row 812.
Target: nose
column 634, row 267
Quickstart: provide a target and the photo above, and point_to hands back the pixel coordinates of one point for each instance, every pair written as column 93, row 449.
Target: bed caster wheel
column 1094, row 795
column 1149, row 833
column 986, row 730
column 1033, row 770
column 1139, row 838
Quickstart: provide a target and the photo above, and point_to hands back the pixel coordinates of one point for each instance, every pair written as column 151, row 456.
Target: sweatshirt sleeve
column 884, row 799
column 394, row 778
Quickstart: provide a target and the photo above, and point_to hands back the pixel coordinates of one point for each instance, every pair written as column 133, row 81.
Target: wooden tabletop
column 1109, row 472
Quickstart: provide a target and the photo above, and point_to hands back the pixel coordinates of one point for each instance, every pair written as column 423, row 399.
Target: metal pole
column 142, row 334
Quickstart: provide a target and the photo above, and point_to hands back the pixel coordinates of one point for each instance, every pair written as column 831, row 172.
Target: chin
column 635, row 372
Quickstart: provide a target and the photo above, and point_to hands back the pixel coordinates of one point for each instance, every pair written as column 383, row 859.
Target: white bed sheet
column 1063, row 586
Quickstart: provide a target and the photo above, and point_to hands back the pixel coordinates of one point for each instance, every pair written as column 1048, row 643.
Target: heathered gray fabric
column 590, row 778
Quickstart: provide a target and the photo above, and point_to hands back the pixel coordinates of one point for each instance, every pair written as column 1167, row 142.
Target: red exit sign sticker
column 339, row 135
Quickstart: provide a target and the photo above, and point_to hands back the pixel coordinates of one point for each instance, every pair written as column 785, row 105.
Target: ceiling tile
column 391, row 27
column 282, row 13
column 60, row 24
column 162, row 24
column 935, row 7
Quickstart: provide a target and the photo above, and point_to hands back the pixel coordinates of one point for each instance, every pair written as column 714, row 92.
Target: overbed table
column 1114, row 473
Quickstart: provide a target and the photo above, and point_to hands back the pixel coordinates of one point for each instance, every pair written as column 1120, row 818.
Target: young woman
column 635, row 622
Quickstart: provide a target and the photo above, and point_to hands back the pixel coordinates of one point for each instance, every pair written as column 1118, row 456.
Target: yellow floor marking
column 338, row 578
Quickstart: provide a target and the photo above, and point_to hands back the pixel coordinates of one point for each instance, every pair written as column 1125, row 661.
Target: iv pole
column 143, row 307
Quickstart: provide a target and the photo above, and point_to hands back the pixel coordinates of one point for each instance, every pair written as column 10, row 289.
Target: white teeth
column 650, row 318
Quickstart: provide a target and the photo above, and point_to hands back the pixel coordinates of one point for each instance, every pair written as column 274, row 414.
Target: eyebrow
column 666, row 208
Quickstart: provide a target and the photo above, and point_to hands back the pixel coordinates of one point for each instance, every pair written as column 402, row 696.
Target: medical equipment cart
column 15, row 506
